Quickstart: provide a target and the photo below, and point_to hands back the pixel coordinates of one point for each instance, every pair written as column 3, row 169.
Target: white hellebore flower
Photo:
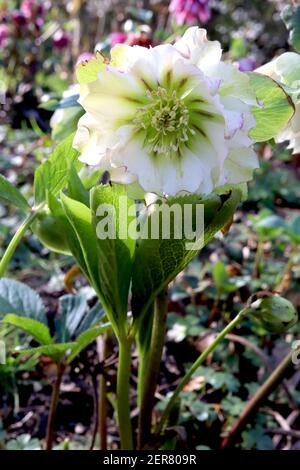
column 286, row 69
column 172, row 118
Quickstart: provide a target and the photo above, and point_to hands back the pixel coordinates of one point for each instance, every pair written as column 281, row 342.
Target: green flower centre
column 165, row 120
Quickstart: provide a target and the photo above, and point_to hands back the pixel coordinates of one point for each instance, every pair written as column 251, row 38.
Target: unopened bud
column 273, row 312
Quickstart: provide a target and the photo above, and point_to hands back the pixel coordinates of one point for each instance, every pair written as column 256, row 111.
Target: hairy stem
column 151, row 368
column 185, row 380
column 53, row 406
column 13, row 245
column 123, row 394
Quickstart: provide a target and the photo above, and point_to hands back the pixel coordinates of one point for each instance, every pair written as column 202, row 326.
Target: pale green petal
column 240, row 165
column 87, row 71
column 234, row 83
column 287, row 66
column 113, row 95
column 124, row 56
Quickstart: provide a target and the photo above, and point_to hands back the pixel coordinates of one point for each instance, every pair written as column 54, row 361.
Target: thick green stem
column 105, row 343
column 13, row 245
column 123, row 395
column 185, row 380
column 53, row 406
column 151, row 368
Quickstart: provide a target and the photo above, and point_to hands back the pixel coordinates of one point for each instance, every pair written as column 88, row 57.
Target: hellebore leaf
column 276, row 107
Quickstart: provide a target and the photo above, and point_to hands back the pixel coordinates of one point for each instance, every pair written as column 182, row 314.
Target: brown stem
column 102, row 412
column 286, row 276
column 245, row 342
column 96, row 410
column 264, row 390
column 53, row 406
column 258, row 256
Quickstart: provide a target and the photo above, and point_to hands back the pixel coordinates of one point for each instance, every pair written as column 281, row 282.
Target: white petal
column 234, row 122
column 93, row 142
column 114, row 96
column 287, row 66
column 195, row 47
column 240, row 164
column 123, row 56
column 234, row 83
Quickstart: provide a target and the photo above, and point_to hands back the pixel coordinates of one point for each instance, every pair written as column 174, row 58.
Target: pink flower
column 4, row 34
column 190, row 11
column 32, row 8
column 84, row 57
column 61, row 39
column 117, row 38
column 18, row 18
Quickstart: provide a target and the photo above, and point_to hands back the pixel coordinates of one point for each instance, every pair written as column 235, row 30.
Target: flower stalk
column 123, row 394
column 53, row 406
column 151, row 371
column 185, row 380
column 14, row 243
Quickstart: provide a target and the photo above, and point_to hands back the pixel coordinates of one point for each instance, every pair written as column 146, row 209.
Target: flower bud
column 61, row 39
column 117, row 37
column 32, row 8
column 273, row 312
column 18, row 18
column 51, row 232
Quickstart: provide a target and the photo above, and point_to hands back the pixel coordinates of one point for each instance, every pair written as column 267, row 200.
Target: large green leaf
column 276, row 107
column 157, row 262
column 91, row 318
column 9, row 194
column 115, row 255
column 71, row 311
column 57, row 210
column 76, row 189
column 18, row 298
column 56, row 351
column 86, row 338
column 52, row 175
column 38, row 330
column 80, row 218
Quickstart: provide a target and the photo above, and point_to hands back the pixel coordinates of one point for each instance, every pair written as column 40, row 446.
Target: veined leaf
column 18, row 298
column 55, row 351
column 80, row 218
column 276, row 107
column 86, row 338
column 38, row 330
column 115, row 253
column 9, row 194
column 71, row 311
column 76, row 190
column 91, row 318
column 158, row 261
column 52, row 175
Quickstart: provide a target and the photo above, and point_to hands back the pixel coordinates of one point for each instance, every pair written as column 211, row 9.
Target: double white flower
column 173, row 118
